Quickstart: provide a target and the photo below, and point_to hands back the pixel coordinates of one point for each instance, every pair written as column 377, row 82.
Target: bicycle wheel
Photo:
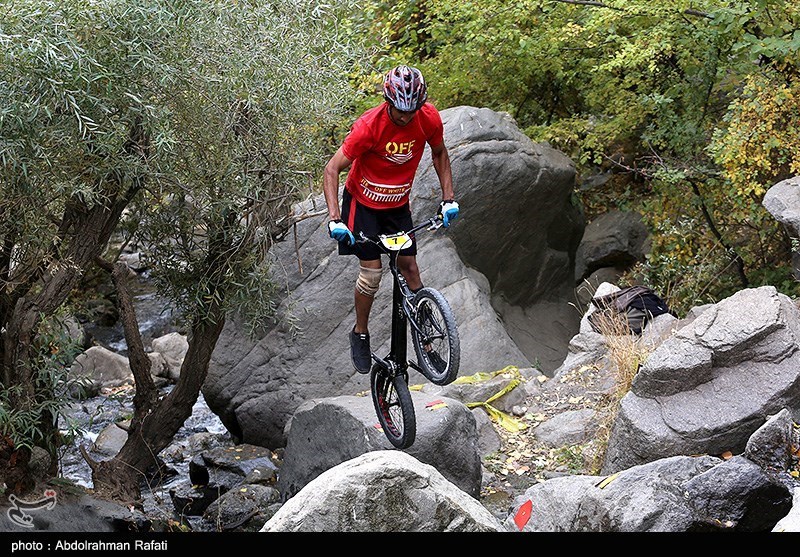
column 435, row 337
column 392, row 401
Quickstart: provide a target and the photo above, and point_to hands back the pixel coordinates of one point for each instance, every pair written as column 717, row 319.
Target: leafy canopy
column 688, row 105
column 203, row 118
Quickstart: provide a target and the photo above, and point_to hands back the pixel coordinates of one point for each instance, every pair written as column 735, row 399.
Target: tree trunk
column 155, row 421
column 44, row 285
column 91, row 230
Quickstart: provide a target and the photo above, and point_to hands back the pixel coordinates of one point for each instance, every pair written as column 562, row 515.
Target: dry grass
column 625, row 355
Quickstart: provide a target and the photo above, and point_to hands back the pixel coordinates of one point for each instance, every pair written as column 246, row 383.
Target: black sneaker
column 360, row 352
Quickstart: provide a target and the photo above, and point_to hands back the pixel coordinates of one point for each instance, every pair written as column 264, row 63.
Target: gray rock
column 102, row 367
column 737, row 495
column 382, row 491
column 193, row 500
column 585, row 348
column 616, row 239
column 710, row 386
column 485, row 391
column 675, row 494
column 489, row 440
column 783, row 202
column 791, row 522
column 568, row 428
column 172, row 348
column 159, row 368
column 245, row 508
column 110, row 440
column 326, row 432
column 116, row 517
column 771, row 446
column 229, row 466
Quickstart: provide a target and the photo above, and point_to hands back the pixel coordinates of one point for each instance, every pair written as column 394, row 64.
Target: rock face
column 708, row 387
column 382, row 491
column 508, row 285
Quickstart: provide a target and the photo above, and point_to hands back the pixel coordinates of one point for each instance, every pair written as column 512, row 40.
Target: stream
column 82, row 421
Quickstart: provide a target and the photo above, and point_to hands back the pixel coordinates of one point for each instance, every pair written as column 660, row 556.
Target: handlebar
column 431, row 224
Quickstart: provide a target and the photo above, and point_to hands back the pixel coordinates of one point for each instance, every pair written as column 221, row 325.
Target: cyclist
column 384, row 148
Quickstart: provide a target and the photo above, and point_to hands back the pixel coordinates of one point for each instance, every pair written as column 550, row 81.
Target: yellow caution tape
column 508, row 422
column 484, row 376
column 607, row 480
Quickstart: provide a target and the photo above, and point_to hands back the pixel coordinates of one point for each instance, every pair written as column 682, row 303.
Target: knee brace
column 368, row 280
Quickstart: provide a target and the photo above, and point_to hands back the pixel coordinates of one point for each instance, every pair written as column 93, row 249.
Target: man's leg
column 364, row 295
column 408, row 266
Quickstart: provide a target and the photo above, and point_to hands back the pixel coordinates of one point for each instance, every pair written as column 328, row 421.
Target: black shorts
column 372, row 222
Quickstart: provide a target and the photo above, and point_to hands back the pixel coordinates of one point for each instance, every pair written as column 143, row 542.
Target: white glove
column 448, row 210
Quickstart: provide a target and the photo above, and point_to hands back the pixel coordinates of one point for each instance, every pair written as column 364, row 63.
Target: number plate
column 396, row 242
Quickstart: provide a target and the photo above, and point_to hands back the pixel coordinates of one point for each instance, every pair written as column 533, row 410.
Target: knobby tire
column 435, row 319
column 394, row 407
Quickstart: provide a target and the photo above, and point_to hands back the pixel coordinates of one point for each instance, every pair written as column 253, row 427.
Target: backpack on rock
column 635, row 304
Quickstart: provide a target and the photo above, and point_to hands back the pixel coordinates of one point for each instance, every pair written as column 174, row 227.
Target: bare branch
column 590, row 3
column 696, row 13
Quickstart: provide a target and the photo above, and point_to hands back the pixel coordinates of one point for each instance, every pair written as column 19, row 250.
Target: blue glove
column 448, row 210
column 339, row 232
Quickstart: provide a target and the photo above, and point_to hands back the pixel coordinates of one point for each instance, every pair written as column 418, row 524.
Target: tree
column 687, row 104
column 190, row 121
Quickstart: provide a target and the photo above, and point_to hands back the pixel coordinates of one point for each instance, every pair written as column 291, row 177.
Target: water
column 155, row 315
column 91, row 416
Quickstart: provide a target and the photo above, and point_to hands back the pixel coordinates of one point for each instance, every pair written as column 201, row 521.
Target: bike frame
column 397, row 360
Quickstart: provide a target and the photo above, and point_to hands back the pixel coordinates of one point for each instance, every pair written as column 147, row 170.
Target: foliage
column 199, row 121
column 688, row 105
column 55, row 351
column 230, row 97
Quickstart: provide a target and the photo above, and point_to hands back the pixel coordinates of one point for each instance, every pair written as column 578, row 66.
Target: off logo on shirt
column 399, row 153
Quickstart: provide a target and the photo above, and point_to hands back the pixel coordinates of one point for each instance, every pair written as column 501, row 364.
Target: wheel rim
column 434, row 334
column 389, row 403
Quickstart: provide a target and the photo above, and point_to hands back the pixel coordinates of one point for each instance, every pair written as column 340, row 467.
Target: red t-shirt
column 386, row 156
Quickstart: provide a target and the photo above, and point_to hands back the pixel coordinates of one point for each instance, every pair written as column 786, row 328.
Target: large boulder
column 708, row 387
column 616, row 239
column 382, row 491
column 783, row 202
column 172, row 347
column 675, row 494
column 99, row 367
column 326, row 432
column 508, row 285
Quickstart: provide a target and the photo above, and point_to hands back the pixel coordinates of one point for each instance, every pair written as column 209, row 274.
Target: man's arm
column 441, row 162
column 330, row 182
